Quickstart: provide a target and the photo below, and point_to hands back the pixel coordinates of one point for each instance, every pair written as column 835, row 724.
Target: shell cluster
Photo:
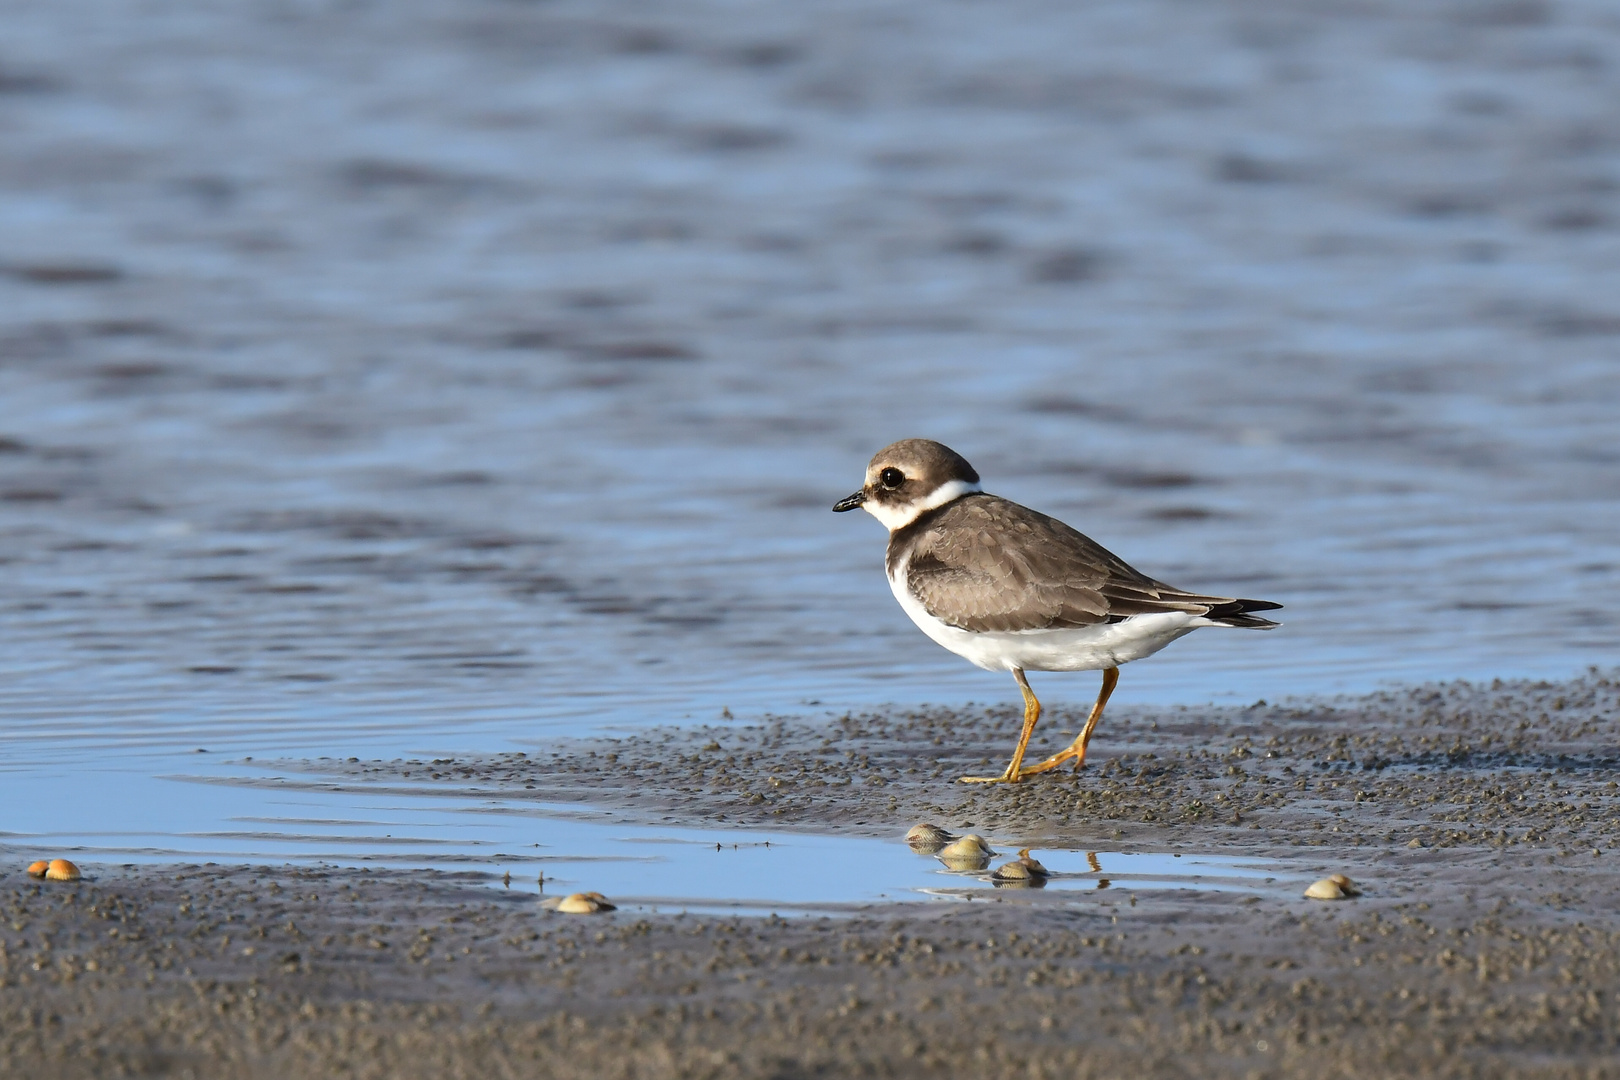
column 973, row 852
column 55, row 870
column 580, row 903
column 1336, row 887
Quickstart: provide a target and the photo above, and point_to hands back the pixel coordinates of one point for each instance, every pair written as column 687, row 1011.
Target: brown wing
column 982, row 563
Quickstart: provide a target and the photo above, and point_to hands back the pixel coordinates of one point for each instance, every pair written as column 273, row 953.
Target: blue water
column 452, row 376
column 236, row 813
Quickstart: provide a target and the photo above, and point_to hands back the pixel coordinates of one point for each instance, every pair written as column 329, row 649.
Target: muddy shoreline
column 1521, row 767
column 1486, row 942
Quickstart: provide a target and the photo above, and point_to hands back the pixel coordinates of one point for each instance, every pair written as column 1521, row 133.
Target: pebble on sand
column 38, row 869
column 61, row 870
column 588, row 903
column 1337, row 887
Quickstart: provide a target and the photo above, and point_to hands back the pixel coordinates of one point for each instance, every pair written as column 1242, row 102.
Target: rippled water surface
column 451, row 376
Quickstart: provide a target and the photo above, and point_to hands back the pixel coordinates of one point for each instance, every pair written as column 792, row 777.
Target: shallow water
column 256, row 816
column 438, row 377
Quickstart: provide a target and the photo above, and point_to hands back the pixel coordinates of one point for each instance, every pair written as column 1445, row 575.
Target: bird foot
column 1076, row 754
column 1008, row 777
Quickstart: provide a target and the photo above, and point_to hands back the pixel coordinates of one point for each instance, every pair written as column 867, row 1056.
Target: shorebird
column 1011, row 589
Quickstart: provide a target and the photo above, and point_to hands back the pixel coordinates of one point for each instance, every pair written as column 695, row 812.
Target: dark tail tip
column 1237, row 613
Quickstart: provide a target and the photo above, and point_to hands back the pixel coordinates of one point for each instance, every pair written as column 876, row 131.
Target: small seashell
column 588, row 903
column 968, row 853
column 1344, row 883
column 1024, row 871
column 1326, row 889
column 927, row 839
column 61, row 870
column 584, row 904
column 38, row 869
column 971, row 844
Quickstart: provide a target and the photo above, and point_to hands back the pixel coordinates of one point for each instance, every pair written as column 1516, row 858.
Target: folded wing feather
column 964, row 571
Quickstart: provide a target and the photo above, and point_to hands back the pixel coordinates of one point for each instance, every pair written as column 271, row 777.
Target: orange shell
column 61, row 870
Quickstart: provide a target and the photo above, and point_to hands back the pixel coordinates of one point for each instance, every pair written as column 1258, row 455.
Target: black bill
column 850, row 502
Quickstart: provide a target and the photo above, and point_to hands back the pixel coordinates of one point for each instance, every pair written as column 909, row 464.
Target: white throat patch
column 898, row 517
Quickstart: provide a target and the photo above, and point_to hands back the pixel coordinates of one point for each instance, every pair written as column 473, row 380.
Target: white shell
column 1023, row 868
column 1326, row 889
column 578, row 904
column 928, row 838
column 968, row 853
column 972, row 845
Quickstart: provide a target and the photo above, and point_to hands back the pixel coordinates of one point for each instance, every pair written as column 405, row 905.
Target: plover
column 1011, row 589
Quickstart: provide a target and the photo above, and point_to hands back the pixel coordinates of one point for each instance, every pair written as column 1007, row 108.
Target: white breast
column 1085, row 648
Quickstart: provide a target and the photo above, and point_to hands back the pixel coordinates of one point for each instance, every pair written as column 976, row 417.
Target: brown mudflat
column 1518, row 768
column 1492, row 948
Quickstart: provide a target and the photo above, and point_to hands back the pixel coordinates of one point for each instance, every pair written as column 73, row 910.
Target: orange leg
column 1077, row 749
column 1032, row 713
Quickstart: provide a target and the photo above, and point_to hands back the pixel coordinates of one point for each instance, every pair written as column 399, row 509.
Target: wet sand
column 1485, row 944
column 1518, row 767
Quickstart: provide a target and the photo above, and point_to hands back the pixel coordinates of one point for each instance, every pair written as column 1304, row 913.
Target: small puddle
column 552, row 849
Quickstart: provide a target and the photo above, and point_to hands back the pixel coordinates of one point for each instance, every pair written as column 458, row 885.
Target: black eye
column 891, row 477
